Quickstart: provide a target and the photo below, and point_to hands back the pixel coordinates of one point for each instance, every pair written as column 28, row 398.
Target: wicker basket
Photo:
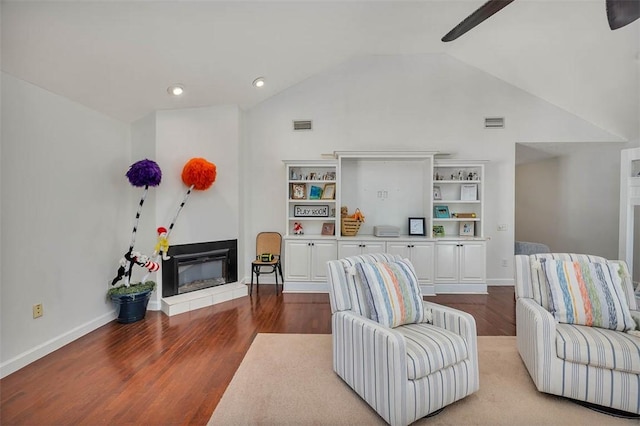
column 350, row 227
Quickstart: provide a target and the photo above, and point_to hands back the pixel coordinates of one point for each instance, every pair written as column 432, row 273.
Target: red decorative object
column 200, row 173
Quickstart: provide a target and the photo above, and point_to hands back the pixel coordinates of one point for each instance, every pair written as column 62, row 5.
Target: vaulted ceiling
column 119, row 57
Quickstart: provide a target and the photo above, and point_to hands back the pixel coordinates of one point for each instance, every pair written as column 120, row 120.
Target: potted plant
column 131, row 300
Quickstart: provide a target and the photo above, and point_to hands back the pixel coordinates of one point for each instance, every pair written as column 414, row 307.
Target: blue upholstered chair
column 406, row 372
column 597, row 365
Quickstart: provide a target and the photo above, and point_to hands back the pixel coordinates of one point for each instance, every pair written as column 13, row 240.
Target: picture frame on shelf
column 437, row 194
column 438, row 231
column 315, row 193
column 467, row 229
column 329, row 191
column 469, row 192
column 441, row 212
column 300, row 210
column 298, row 191
column 416, row 226
column 328, row 228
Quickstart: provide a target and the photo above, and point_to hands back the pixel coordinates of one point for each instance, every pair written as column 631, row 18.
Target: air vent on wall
column 302, row 125
column 494, row 123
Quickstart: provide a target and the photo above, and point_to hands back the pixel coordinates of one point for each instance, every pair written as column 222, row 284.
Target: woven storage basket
column 350, row 226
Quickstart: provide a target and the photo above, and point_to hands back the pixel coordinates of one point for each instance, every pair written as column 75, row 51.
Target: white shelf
column 311, row 181
column 314, row 201
column 457, row 219
column 305, row 218
column 436, row 182
column 436, row 202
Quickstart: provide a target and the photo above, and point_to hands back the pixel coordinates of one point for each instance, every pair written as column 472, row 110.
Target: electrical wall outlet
column 37, row 310
column 502, row 227
column 505, row 263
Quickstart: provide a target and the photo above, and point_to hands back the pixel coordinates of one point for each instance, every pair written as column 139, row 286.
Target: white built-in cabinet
column 306, row 260
column 460, row 266
column 389, row 188
column 356, row 247
column 422, row 256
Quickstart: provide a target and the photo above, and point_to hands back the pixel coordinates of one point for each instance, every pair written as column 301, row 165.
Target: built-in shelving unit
column 311, row 201
column 388, row 188
column 458, row 196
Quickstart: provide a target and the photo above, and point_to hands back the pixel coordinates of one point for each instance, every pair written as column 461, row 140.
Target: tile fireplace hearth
column 199, row 275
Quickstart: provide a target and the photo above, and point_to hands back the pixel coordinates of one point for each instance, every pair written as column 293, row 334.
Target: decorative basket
column 350, row 226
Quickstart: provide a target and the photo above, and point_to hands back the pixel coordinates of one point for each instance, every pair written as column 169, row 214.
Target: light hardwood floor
column 173, row 370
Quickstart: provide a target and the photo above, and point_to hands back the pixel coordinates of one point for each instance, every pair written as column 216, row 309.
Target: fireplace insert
column 197, row 266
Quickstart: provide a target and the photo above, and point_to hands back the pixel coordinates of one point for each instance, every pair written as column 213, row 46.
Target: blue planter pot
column 131, row 307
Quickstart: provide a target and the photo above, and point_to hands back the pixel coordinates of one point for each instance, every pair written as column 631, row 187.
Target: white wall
column 571, row 202
column 65, row 209
column 421, row 102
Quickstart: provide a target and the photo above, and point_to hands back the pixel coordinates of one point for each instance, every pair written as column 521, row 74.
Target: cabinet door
column 399, row 248
column 349, row 248
column 368, row 247
column 472, row 262
column 422, row 257
column 321, row 253
column 297, row 256
column 446, row 269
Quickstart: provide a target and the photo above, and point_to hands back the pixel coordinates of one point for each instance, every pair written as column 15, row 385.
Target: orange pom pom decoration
column 200, row 173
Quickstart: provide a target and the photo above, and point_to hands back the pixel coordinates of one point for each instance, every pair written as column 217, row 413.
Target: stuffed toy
column 145, row 262
column 162, row 246
column 297, row 228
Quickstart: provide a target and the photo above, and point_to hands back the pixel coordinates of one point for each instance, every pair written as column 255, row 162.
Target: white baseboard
column 428, row 289
column 37, row 352
column 458, row 288
column 305, row 287
column 504, row 282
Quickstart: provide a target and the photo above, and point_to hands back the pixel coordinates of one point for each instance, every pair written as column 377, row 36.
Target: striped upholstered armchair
column 573, row 333
column 404, row 372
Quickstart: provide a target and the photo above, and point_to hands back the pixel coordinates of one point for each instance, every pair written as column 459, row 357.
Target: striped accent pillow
column 589, row 294
column 392, row 292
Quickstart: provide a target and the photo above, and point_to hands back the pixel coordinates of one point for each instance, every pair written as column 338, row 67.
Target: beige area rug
column 287, row 379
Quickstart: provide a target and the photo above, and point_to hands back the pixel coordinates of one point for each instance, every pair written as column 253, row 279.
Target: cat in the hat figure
column 162, row 246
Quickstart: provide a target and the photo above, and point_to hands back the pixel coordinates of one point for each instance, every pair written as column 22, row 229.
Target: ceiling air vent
column 302, row 125
column 494, row 123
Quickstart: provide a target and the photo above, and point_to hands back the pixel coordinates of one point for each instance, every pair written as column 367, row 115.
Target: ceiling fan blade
column 622, row 12
column 484, row 12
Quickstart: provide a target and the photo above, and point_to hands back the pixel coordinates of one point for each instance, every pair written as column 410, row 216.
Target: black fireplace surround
column 210, row 264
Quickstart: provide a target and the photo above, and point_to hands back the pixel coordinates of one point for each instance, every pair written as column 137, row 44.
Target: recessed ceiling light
column 258, row 82
column 175, row 90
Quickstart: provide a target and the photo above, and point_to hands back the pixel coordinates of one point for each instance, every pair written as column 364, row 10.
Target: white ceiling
column 119, row 57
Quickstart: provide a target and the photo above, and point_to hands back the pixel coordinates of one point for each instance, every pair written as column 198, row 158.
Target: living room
column 67, row 208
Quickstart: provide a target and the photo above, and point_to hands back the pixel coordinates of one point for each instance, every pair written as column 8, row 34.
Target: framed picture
column 329, row 191
column 469, row 192
column 315, row 193
column 467, row 229
column 310, row 211
column 441, row 212
column 298, row 191
column 328, row 228
column 416, row 226
column 437, row 195
column 438, row 231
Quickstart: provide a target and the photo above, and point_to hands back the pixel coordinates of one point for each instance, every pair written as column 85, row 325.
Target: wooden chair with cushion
column 268, row 250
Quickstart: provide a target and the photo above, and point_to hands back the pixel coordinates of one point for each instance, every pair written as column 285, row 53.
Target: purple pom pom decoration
column 144, row 172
